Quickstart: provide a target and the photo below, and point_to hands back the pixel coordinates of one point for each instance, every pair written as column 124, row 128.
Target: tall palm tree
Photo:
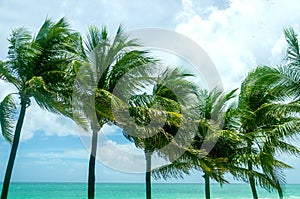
column 158, row 115
column 107, row 60
column 268, row 107
column 212, row 161
column 264, row 128
column 39, row 68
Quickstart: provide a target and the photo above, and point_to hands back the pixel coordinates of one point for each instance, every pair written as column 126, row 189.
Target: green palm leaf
column 293, row 53
column 8, row 115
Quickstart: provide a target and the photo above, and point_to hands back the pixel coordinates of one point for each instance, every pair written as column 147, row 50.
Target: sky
column 236, row 34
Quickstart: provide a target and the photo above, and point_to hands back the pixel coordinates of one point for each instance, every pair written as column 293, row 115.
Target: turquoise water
column 137, row 191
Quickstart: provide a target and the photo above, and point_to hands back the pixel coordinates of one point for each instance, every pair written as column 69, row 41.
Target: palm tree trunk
column 148, row 174
column 250, row 175
column 252, row 182
column 92, row 162
column 13, row 151
column 207, row 186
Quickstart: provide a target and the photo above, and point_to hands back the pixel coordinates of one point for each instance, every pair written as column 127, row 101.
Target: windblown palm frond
column 293, row 54
column 175, row 170
column 8, row 115
column 5, row 74
column 174, row 85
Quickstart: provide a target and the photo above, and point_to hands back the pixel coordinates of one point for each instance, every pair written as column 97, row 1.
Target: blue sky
column 236, row 34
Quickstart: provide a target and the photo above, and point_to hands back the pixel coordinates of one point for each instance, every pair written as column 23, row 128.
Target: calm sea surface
column 137, row 191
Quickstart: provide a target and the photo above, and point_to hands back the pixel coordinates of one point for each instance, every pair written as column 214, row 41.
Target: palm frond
column 135, row 67
column 175, row 170
column 260, row 178
column 46, row 98
column 21, row 55
column 6, row 75
column 293, row 54
column 220, row 103
column 94, row 38
column 8, row 114
column 173, row 84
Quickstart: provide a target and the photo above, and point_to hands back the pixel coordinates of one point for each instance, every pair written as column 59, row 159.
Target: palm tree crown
column 39, row 67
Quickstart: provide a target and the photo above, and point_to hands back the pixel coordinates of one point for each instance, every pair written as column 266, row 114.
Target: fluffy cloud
column 241, row 36
column 40, row 121
column 124, row 157
column 81, row 14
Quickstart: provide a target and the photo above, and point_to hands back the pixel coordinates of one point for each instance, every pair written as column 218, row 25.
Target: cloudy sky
column 237, row 35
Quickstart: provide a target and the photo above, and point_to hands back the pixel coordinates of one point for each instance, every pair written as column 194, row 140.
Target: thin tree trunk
column 251, row 177
column 207, row 186
column 252, row 182
column 148, row 174
column 13, row 151
column 92, row 162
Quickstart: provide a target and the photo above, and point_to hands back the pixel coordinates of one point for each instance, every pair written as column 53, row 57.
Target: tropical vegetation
column 104, row 62
column 158, row 115
column 95, row 80
column 40, row 68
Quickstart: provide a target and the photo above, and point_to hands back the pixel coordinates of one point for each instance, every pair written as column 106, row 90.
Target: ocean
column 137, row 191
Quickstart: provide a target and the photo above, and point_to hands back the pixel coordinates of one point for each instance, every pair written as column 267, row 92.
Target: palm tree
column 264, row 128
column 158, row 115
column 39, row 68
column 212, row 160
column 106, row 62
column 213, row 107
column 269, row 104
column 279, row 104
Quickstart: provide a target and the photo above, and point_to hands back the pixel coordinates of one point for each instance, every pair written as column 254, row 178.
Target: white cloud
column 41, row 121
column 241, row 36
column 120, row 157
column 81, row 14
column 5, row 89
column 278, row 51
column 124, row 157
